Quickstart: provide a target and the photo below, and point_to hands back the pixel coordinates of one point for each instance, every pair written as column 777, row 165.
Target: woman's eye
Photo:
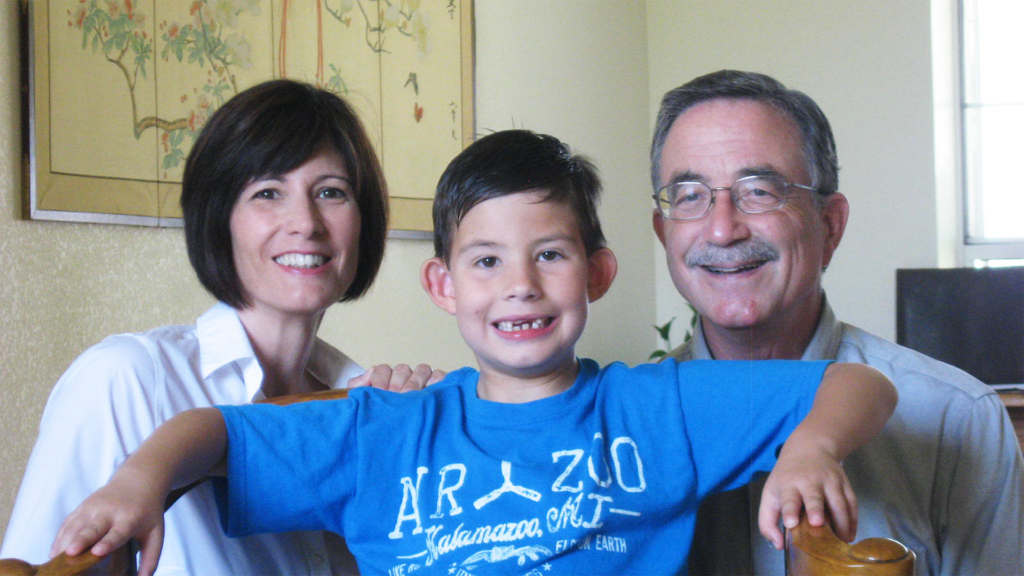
column 487, row 262
column 265, row 194
column 549, row 255
column 332, row 194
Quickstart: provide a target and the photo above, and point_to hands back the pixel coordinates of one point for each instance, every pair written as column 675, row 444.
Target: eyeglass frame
column 732, row 195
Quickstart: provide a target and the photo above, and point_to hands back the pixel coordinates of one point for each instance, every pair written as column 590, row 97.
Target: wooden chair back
column 817, row 551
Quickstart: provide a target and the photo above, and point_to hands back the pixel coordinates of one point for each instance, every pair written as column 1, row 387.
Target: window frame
column 973, row 249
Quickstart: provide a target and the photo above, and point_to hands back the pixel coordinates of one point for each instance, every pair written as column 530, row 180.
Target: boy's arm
column 185, row 448
column 852, row 404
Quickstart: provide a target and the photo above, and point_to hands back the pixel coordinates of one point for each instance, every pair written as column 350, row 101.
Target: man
column 746, row 180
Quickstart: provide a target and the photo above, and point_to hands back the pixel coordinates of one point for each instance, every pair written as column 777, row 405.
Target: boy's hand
column 812, row 480
column 113, row 515
column 401, row 378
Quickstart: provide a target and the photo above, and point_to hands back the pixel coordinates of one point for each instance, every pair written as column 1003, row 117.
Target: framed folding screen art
column 119, row 89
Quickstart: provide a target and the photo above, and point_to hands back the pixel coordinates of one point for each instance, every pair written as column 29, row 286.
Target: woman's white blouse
column 112, row 397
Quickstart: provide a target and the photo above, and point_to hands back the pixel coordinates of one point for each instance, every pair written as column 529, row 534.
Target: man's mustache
column 750, row 251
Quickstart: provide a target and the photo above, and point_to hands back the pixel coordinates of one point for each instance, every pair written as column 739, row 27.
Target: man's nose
column 725, row 223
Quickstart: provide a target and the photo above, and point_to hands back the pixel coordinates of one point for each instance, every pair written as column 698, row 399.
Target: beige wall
column 868, row 65
column 547, row 66
column 589, row 71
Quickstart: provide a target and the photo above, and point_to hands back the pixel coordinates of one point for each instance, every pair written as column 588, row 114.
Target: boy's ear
column 437, row 281
column 601, row 269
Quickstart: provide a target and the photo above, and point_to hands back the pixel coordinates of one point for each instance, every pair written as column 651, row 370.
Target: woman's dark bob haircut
column 269, row 130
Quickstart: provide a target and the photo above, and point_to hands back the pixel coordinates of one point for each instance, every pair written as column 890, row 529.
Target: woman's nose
column 305, row 218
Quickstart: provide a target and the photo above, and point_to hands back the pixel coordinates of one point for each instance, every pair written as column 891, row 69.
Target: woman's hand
column 401, row 378
column 809, row 478
column 130, row 506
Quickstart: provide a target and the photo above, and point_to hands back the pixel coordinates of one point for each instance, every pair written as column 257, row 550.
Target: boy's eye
column 549, row 255
column 487, row 262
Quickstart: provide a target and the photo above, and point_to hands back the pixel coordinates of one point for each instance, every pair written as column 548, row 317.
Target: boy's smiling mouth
column 525, row 327
column 520, row 325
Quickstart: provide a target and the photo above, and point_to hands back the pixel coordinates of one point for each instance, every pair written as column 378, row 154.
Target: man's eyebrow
column 685, row 176
column 760, row 170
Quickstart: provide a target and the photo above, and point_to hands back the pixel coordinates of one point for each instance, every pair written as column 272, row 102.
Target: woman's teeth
column 515, row 326
column 301, row 260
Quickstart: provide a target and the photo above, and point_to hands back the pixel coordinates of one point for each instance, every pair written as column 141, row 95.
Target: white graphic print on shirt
column 570, row 500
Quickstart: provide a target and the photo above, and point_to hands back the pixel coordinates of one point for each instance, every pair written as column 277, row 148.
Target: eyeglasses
column 751, row 194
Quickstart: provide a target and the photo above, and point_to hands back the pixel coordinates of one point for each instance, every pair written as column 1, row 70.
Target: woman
column 285, row 211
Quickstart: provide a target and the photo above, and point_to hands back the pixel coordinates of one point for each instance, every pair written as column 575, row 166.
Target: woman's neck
column 283, row 344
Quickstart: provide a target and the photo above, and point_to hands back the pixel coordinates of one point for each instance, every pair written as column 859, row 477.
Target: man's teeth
column 510, row 326
column 301, row 260
column 723, row 270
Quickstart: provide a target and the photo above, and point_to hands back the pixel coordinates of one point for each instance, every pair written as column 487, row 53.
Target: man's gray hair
column 819, row 146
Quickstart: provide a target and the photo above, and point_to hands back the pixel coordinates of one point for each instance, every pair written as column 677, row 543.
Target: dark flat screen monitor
column 972, row 318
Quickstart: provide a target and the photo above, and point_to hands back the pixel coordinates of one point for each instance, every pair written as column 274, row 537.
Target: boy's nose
column 523, row 283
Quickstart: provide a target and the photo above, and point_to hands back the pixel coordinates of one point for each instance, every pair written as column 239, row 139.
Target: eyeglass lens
column 753, row 195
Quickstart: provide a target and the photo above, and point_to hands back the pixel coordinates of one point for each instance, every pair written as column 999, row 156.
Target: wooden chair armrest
column 123, row 559
column 817, row 551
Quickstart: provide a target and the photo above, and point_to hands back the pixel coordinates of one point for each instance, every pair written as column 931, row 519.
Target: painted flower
column 78, row 20
column 392, row 16
column 420, row 28
column 240, row 51
column 225, row 12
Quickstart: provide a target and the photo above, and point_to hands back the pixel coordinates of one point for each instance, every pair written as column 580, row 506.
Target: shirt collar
column 326, row 364
column 223, row 342
column 824, row 344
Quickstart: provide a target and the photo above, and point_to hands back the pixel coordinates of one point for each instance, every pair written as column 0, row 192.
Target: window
column 992, row 116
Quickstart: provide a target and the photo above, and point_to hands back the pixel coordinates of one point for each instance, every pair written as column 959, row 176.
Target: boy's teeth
column 301, row 260
column 510, row 326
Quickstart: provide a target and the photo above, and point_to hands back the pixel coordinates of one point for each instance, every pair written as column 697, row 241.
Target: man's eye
column 549, row 255
column 487, row 262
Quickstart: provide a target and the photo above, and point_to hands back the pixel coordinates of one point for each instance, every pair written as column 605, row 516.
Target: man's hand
column 812, row 480
column 401, row 378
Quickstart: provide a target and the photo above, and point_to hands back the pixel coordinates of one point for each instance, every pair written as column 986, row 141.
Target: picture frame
column 117, row 91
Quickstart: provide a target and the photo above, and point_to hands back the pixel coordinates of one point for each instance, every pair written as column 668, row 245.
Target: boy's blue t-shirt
column 604, row 478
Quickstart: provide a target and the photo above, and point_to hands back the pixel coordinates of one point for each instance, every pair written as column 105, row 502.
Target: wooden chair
column 817, row 551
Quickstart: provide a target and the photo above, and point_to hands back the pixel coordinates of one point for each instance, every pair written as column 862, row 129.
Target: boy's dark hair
column 513, row 161
column 271, row 129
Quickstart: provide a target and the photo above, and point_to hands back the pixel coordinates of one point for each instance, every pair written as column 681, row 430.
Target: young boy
column 540, row 463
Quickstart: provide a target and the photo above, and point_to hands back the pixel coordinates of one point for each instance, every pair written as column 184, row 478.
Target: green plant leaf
column 664, row 329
